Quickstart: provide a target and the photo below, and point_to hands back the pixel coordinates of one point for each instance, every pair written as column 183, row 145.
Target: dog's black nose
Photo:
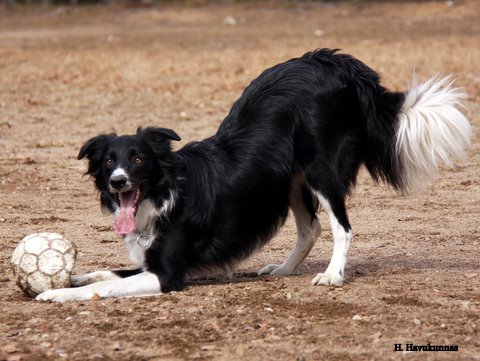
column 118, row 181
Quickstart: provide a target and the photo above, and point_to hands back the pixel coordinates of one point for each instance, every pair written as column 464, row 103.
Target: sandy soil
column 67, row 74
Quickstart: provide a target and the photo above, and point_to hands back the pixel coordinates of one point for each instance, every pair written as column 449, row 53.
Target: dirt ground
column 67, row 74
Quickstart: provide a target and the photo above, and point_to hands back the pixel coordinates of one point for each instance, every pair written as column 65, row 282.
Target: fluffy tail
column 431, row 131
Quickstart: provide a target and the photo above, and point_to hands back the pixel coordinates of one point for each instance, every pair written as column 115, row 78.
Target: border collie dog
column 294, row 140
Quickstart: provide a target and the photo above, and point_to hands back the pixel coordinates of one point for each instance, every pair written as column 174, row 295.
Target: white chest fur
column 139, row 241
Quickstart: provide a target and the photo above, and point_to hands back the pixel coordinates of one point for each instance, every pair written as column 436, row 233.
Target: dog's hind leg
column 304, row 207
column 334, row 206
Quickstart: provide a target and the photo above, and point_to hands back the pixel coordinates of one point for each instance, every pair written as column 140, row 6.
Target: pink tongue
column 125, row 222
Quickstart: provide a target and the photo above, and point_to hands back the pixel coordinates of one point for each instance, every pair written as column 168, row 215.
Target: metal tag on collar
column 143, row 239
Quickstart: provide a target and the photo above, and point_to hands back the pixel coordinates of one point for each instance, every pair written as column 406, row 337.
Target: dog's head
column 129, row 169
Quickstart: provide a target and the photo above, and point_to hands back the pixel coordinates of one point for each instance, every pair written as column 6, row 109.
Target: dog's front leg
column 143, row 284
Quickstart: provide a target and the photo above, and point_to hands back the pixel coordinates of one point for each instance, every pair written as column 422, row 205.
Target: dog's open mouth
column 125, row 221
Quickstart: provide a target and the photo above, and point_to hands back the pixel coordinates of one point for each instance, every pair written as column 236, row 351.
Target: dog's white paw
column 267, row 269
column 328, row 278
column 62, row 295
column 275, row 270
column 92, row 277
column 77, row 281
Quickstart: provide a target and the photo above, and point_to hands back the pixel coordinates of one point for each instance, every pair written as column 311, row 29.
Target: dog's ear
column 159, row 140
column 93, row 149
column 95, row 145
column 158, row 134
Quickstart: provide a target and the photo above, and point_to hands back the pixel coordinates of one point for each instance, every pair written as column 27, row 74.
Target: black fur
column 322, row 115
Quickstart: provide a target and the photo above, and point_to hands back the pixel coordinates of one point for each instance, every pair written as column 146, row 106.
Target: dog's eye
column 138, row 160
column 108, row 161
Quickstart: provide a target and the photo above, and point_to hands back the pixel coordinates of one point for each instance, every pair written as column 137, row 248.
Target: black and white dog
column 294, row 140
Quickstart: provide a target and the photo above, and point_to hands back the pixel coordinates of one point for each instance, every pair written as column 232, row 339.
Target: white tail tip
column 431, row 130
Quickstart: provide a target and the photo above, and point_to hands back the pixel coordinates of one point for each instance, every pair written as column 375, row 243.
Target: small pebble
column 16, row 357
column 116, row 346
column 230, row 20
column 469, row 275
column 10, row 348
column 357, row 318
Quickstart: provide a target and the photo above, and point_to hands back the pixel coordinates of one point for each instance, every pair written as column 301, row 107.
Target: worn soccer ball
column 43, row 261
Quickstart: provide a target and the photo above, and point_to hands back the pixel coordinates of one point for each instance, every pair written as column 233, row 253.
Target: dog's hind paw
column 328, row 278
column 275, row 270
column 267, row 269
